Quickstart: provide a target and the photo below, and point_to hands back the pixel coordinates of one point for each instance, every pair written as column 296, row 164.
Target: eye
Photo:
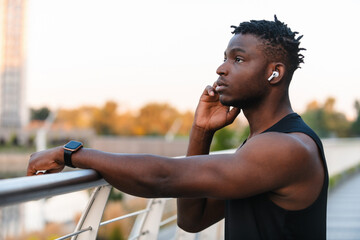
column 238, row 59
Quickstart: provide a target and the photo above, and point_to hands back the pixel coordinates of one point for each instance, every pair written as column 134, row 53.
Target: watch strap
column 67, row 158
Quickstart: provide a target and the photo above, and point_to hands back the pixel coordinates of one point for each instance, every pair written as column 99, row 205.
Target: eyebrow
column 233, row 50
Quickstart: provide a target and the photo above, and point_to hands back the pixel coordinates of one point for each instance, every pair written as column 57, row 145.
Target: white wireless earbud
column 274, row 74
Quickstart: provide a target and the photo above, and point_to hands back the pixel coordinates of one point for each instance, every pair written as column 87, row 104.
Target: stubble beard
column 248, row 102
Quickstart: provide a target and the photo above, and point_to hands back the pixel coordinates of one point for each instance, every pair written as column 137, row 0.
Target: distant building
column 13, row 109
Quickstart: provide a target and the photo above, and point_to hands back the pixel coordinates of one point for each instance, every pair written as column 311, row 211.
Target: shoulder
column 280, row 144
column 293, row 165
column 290, row 155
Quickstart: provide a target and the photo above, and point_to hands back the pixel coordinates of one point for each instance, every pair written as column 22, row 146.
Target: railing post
column 92, row 215
column 146, row 226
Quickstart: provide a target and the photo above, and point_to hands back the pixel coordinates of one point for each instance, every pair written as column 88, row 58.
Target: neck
column 267, row 113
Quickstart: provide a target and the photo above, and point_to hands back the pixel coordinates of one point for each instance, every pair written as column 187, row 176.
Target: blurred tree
column 187, row 119
column 84, row 117
column 152, row 119
column 314, row 117
column 77, row 118
column 325, row 120
column 40, row 113
column 116, row 234
column 105, row 119
column 126, row 125
column 244, row 134
column 355, row 127
column 156, row 118
column 224, row 138
column 231, row 136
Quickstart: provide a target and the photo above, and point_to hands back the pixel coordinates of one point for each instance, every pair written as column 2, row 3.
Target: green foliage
column 325, row 120
column 39, row 114
column 105, row 119
column 355, row 126
column 13, row 141
column 115, row 195
column 244, row 134
column 153, row 119
column 116, row 234
column 223, row 139
column 340, row 177
column 228, row 138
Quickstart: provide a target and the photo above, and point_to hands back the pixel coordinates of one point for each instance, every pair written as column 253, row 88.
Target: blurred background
column 125, row 76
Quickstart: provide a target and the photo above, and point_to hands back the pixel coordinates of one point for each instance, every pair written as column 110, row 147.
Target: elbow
column 187, row 227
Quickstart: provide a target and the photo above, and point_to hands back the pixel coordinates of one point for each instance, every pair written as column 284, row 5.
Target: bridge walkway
column 343, row 215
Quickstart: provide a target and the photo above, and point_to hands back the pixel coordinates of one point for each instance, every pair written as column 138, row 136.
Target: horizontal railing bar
column 168, row 220
column 124, row 216
column 23, row 189
column 74, row 233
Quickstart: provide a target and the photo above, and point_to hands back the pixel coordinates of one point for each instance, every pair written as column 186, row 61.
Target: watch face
column 73, row 145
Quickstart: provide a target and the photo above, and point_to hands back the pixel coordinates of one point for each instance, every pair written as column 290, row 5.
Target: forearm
column 199, row 141
column 195, row 214
column 140, row 175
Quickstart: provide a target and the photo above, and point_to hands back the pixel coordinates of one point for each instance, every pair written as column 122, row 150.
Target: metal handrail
column 147, row 223
column 24, row 189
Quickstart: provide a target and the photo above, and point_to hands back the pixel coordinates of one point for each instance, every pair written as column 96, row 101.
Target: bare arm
column 286, row 164
column 268, row 163
column 196, row 214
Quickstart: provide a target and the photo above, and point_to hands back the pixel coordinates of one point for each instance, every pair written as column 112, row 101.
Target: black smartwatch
column 70, row 148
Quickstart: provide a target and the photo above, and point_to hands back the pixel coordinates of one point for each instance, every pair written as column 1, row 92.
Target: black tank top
column 258, row 217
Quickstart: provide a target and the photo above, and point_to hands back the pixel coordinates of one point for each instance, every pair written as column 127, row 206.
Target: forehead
column 250, row 44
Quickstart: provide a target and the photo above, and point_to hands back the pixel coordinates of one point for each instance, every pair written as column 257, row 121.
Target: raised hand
column 210, row 114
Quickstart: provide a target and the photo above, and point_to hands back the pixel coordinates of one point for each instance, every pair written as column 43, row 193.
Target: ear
column 278, row 67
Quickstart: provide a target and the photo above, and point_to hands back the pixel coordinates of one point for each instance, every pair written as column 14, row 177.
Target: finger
column 54, row 170
column 31, row 171
column 209, row 90
column 233, row 113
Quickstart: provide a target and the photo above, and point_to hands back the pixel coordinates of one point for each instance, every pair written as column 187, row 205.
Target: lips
column 220, row 85
column 220, row 88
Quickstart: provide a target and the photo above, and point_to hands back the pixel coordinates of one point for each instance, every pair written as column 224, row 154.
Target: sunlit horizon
column 89, row 52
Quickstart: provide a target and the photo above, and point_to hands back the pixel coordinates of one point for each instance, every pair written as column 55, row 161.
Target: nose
column 221, row 70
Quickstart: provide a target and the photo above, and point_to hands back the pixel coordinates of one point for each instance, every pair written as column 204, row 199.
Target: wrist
column 201, row 136
column 200, row 141
column 69, row 150
column 202, row 133
column 59, row 155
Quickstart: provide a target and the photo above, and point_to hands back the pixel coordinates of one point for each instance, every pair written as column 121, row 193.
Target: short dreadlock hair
column 280, row 43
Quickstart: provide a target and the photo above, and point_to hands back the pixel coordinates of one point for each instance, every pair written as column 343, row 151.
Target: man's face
column 243, row 76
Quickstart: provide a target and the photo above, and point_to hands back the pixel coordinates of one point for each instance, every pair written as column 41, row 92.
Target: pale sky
column 85, row 52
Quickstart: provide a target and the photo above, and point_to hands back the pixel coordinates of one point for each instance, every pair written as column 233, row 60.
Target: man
column 273, row 187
